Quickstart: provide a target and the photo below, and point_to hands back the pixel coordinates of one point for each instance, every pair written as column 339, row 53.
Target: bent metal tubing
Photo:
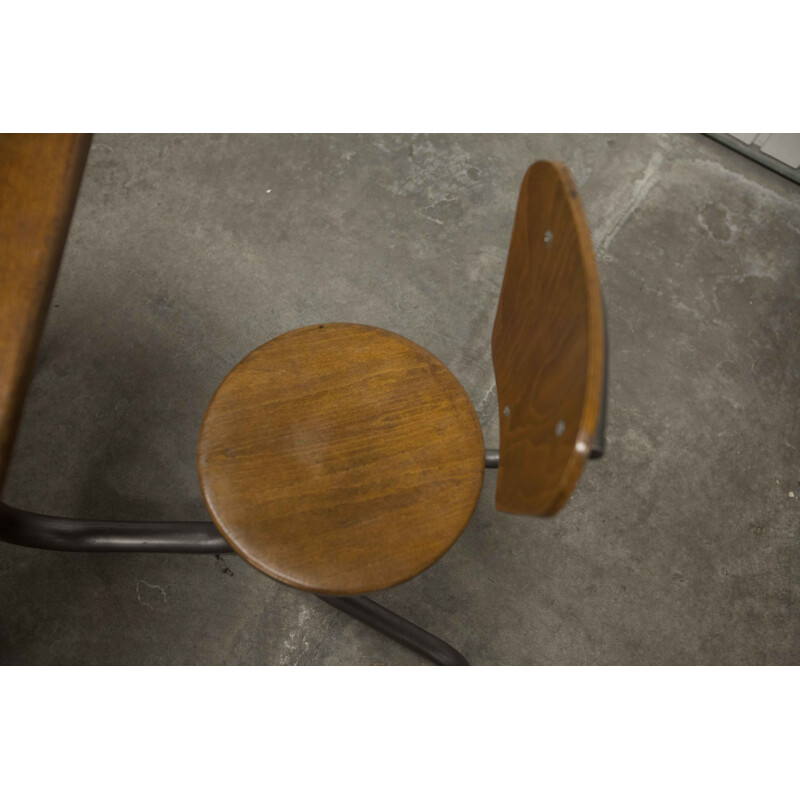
column 44, row 532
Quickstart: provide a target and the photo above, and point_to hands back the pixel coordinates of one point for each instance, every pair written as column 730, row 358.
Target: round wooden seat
column 340, row 458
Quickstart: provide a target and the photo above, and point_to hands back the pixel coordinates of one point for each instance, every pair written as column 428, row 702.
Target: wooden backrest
column 547, row 346
column 39, row 179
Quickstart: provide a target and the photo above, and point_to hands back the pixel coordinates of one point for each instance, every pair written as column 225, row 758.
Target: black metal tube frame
column 44, row 532
column 398, row 628
column 96, row 536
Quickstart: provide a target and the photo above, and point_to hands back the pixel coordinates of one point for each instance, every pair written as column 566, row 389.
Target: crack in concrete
column 607, row 230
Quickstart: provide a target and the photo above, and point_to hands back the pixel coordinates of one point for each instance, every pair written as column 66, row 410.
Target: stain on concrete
column 150, row 595
column 714, row 220
column 222, row 565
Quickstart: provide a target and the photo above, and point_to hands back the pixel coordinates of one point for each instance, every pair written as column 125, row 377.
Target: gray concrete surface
column 186, row 252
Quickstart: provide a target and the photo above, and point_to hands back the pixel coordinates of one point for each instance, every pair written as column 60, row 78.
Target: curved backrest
column 39, row 179
column 547, row 346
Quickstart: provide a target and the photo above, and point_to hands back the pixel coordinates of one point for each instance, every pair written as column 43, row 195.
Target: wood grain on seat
column 547, row 346
column 340, row 458
column 39, row 179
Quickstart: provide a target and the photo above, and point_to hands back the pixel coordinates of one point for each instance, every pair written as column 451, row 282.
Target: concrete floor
column 680, row 547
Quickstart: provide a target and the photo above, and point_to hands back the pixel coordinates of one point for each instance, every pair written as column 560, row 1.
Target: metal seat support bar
column 84, row 536
column 398, row 628
column 44, row 532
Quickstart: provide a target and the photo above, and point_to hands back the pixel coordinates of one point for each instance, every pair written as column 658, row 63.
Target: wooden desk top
column 39, row 179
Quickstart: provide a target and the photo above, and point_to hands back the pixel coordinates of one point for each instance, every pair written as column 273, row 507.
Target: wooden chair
column 342, row 459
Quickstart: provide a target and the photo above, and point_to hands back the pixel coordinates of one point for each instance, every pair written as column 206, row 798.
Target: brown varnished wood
column 340, row 458
column 547, row 346
column 39, row 179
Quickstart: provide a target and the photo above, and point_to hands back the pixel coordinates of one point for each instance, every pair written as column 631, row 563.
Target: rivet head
column 561, row 426
column 548, row 237
column 506, row 411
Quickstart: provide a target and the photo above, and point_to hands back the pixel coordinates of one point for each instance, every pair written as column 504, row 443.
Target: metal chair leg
column 398, row 628
column 57, row 533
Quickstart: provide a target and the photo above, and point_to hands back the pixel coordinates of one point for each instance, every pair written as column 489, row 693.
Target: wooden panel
column 39, row 179
column 341, row 458
column 547, row 346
